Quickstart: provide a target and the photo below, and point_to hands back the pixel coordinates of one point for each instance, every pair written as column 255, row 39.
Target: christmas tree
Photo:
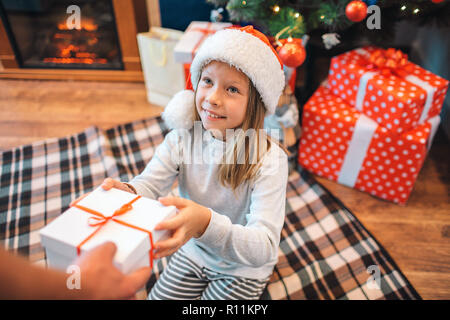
column 335, row 20
column 332, row 27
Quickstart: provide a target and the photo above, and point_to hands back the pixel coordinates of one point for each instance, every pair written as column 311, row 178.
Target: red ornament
column 356, row 11
column 292, row 52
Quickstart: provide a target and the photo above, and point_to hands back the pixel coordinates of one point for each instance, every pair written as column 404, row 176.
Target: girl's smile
column 212, row 116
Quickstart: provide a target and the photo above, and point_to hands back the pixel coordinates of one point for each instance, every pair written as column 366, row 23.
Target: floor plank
column 31, row 110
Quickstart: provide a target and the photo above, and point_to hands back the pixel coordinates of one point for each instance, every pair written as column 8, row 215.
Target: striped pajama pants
column 183, row 279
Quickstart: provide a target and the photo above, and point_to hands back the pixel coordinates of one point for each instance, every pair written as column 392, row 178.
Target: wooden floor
column 416, row 236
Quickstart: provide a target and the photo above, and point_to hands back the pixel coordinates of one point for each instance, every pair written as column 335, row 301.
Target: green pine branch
column 306, row 16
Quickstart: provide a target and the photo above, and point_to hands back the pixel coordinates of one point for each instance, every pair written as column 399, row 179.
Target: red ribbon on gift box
column 390, row 61
column 206, row 32
column 100, row 220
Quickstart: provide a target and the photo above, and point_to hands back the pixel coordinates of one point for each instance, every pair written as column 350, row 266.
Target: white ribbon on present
column 362, row 89
column 359, row 145
column 430, row 90
column 363, row 81
column 363, row 52
column 430, row 95
column 357, row 150
column 434, row 126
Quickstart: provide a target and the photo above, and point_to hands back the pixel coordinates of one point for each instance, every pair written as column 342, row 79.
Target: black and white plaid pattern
column 325, row 252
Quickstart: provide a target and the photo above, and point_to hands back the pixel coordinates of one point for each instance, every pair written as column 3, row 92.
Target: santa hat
column 246, row 49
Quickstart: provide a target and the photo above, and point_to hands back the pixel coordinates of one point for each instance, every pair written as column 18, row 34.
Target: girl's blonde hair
column 231, row 173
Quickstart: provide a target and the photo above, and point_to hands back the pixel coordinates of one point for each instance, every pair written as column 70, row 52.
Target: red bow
column 100, row 220
column 206, row 33
column 389, row 62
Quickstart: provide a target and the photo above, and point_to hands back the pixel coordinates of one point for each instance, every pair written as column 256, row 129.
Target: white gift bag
column 163, row 76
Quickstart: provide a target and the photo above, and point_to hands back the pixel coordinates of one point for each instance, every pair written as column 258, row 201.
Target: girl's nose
column 213, row 97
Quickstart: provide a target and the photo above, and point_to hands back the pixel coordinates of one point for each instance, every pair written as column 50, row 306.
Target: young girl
column 226, row 234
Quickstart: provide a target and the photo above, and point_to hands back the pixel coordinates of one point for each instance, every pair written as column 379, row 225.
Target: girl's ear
column 179, row 112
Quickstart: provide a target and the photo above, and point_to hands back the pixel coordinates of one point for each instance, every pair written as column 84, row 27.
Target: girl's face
column 222, row 96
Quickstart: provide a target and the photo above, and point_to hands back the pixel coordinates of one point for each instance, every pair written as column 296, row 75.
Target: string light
column 322, row 17
column 416, row 11
column 297, row 15
column 276, row 9
column 403, row 8
column 244, row 3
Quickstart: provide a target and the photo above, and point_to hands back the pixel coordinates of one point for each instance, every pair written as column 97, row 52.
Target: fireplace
column 71, row 39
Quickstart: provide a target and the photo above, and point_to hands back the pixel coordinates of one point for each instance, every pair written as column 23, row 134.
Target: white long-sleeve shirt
column 243, row 235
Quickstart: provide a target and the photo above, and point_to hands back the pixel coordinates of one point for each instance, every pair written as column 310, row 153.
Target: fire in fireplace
column 42, row 38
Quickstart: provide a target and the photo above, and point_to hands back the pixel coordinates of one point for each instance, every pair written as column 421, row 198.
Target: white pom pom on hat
column 246, row 49
column 179, row 113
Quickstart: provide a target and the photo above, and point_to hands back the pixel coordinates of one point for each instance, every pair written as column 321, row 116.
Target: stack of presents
column 370, row 126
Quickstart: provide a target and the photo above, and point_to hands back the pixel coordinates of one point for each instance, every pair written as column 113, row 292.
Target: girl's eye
column 233, row 89
column 207, row 80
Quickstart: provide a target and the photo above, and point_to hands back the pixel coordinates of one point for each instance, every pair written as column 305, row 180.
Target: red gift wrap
column 342, row 144
column 385, row 86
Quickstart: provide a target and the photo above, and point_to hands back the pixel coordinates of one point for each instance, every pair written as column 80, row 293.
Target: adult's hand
column 100, row 279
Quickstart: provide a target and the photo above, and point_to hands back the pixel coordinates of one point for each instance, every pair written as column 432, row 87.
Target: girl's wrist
column 206, row 218
column 130, row 187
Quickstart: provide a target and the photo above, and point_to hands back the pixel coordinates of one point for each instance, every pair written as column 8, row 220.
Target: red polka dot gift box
column 342, row 144
column 386, row 87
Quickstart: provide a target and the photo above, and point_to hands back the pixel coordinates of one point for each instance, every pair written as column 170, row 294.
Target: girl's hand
column 107, row 184
column 191, row 221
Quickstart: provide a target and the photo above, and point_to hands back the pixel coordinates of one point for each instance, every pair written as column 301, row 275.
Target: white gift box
column 193, row 37
column 63, row 235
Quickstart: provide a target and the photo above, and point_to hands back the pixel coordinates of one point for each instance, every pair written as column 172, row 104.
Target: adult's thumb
column 105, row 251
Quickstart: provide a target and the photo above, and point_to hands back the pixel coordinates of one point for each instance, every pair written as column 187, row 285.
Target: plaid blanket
column 325, row 252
